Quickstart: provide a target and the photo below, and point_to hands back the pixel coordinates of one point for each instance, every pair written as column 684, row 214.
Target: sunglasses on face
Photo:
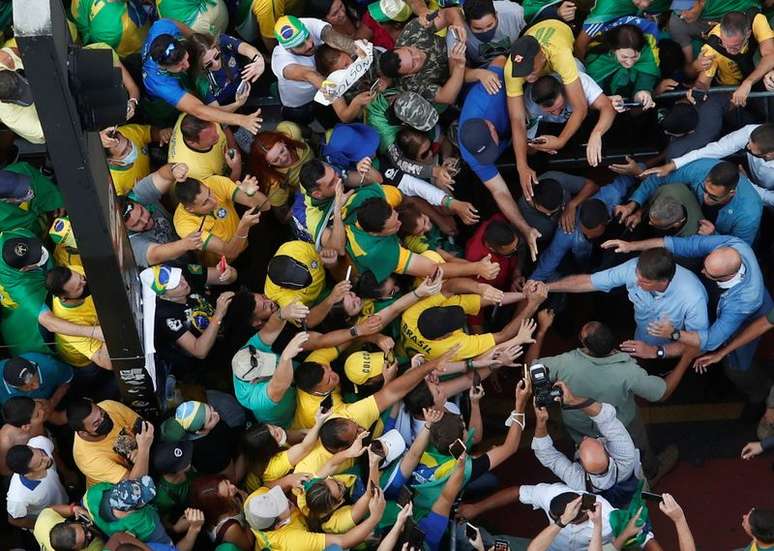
column 712, row 196
column 215, row 58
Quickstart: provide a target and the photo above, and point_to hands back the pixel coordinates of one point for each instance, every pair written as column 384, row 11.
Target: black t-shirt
column 711, row 211
column 212, row 453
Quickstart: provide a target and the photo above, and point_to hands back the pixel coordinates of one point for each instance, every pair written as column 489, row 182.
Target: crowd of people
column 335, row 253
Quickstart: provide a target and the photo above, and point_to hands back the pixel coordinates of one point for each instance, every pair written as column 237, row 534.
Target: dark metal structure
column 82, row 175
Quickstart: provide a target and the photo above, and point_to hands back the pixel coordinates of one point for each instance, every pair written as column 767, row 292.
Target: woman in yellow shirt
column 267, row 460
column 276, row 160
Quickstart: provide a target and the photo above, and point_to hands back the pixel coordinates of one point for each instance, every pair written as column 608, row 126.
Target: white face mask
column 43, row 259
column 734, row 280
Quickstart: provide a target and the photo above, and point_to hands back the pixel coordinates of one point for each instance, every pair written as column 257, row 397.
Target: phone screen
column 470, row 531
column 588, row 501
column 501, row 545
column 378, row 448
column 405, row 496
column 457, row 448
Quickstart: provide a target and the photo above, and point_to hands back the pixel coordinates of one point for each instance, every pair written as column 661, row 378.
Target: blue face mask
column 131, row 157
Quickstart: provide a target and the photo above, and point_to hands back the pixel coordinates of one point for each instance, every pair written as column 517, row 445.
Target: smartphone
column 222, row 264
column 416, row 537
column 650, row 496
column 454, row 33
column 435, row 273
column 405, row 495
column 378, row 448
column 502, row 545
column 349, row 272
column 389, row 358
column 327, row 403
column 457, row 448
column 535, row 140
column 470, row 531
column 476, row 378
column 630, row 105
column 242, row 88
column 587, row 502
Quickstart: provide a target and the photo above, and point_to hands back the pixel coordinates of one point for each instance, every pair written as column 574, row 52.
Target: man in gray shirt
column 148, row 223
column 491, row 26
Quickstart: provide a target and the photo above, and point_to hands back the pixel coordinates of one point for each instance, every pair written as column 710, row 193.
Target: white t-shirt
column 27, row 498
column 534, row 114
column 295, row 93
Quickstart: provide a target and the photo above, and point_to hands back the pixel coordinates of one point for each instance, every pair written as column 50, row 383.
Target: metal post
column 82, row 175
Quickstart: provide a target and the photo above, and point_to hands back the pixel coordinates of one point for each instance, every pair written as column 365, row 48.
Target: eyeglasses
column 712, row 196
column 211, row 62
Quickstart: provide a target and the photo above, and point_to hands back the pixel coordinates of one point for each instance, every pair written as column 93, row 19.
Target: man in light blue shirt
column 659, row 289
column 730, row 263
column 728, row 200
column 591, row 222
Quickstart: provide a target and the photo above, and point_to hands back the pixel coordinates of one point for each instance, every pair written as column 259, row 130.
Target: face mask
column 105, row 426
column 86, row 291
column 131, row 157
column 43, row 259
column 283, row 440
column 486, row 36
column 734, row 280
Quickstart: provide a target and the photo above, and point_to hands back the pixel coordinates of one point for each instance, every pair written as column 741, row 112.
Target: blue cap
column 15, row 186
column 682, row 5
column 477, row 139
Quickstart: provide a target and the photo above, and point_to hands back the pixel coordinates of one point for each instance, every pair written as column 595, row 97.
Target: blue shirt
column 479, row 104
column 255, row 396
column 223, row 83
column 740, row 217
column 160, row 84
column 575, row 242
column 738, row 305
column 684, row 302
column 53, row 374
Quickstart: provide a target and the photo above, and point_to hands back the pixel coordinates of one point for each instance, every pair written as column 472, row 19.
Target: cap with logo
column 19, row 252
column 438, row 321
column 15, row 186
column 415, row 111
column 19, row 371
column 476, row 137
column 523, row 53
column 390, row 10
column 165, row 278
column 394, row 446
column 249, row 364
column 129, row 495
column 288, row 272
column 361, row 366
column 263, row 507
column 290, row 31
column 172, row 457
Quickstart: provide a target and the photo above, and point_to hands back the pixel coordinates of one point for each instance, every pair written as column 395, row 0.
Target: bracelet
column 447, row 200
column 240, row 236
column 518, row 418
column 256, row 56
column 469, row 365
column 414, row 292
column 559, row 523
column 134, row 101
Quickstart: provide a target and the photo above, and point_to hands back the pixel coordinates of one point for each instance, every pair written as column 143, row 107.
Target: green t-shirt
column 614, row 379
column 172, row 497
column 376, row 117
column 714, row 10
column 185, row 11
column 30, row 215
column 255, row 396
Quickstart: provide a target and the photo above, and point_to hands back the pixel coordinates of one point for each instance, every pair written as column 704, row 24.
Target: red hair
column 259, row 167
column 204, row 496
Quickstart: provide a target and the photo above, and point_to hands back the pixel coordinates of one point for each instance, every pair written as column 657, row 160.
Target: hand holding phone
column 587, row 502
column 327, row 403
column 650, row 496
column 457, row 448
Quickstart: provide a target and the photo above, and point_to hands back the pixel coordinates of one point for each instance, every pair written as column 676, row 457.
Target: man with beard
column 106, row 447
column 148, row 223
column 35, row 484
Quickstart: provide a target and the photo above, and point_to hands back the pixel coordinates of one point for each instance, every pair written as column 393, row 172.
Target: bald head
column 593, row 456
column 722, row 263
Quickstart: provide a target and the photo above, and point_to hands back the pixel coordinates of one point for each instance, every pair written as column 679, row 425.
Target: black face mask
column 105, row 426
column 86, row 291
column 486, row 36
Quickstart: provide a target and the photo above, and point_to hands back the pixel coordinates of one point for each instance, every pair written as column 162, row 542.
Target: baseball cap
column 389, row 10
column 477, row 139
column 264, row 506
column 415, row 111
column 682, row 118
column 18, row 371
column 290, row 31
column 288, row 272
column 172, row 457
column 191, row 415
column 361, row 366
column 394, row 445
column 128, row 495
column 438, row 321
column 165, row 278
column 15, row 186
column 681, row 5
column 19, row 252
column 249, row 364
column 522, row 55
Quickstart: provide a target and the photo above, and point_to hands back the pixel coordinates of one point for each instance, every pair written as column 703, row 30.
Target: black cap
column 438, row 321
column 523, row 53
column 172, row 457
column 288, row 272
column 19, row 252
column 681, row 119
column 18, row 371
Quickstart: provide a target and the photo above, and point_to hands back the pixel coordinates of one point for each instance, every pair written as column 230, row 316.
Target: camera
column 545, row 393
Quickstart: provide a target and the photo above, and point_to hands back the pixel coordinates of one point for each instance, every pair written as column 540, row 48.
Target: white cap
column 394, row 446
column 249, row 364
column 262, row 511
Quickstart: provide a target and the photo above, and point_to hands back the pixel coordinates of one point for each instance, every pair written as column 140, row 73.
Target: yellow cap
column 361, row 366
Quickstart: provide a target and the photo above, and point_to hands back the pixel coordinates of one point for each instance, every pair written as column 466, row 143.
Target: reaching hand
column 567, row 220
column 369, row 326
column 751, row 449
column 596, row 513
column 527, row 178
column 490, row 81
column 254, row 69
column 252, row 122
column 661, row 328
column 193, row 241
column 329, row 257
column 221, row 305
column 630, row 168
column 195, row 519
column 532, row 236
column 703, row 362
column 338, row 291
column 432, row 415
column 618, row 245
column 295, row 311
column 320, row 416
column 526, row 329
column 144, row 438
column 476, row 393
column 295, row 346
column 548, row 144
column 644, row 97
column 632, row 528
column 486, row 268
column 660, row 171
column 490, row 294
column 376, row 503
column 465, row 211
column 541, row 415
column 523, row 392
column 705, row 227
column 545, row 319
column 671, row 508
column 179, row 171
column 430, row 286
column 594, row 149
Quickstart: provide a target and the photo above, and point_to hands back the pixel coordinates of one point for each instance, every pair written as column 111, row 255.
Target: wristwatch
column 353, row 331
column 660, row 352
column 675, row 336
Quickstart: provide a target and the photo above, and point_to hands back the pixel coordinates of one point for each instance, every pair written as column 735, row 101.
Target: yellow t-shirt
column 340, row 521
column 279, row 465
column 267, row 12
column 221, row 223
column 306, row 254
column 97, row 460
column 364, row 412
column 308, row 404
column 23, row 121
column 47, row 519
column 557, row 42
column 294, row 536
column 279, row 192
column 124, row 177
column 415, row 343
column 77, row 351
column 201, row 164
column 725, row 70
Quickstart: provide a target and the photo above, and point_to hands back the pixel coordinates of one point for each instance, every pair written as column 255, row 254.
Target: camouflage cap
column 415, row 111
